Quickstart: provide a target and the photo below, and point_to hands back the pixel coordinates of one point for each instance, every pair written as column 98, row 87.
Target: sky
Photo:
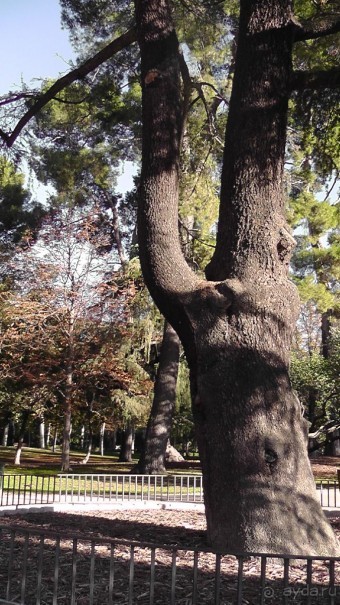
column 34, row 46
column 32, row 43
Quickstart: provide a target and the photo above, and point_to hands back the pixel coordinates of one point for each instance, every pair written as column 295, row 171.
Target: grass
column 47, row 463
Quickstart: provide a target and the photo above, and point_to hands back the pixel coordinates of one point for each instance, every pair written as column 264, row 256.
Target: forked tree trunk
column 236, row 329
column 152, row 460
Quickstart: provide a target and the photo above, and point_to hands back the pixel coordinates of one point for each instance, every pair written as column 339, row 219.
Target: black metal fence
column 46, row 568
column 18, row 490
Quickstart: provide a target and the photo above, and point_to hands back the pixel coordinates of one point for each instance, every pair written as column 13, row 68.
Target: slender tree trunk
column 126, row 447
column 152, row 460
column 65, row 451
column 237, row 327
column 25, row 417
column 55, row 439
column 48, row 435
column 101, row 438
column 5, row 434
column 42, row 443
column 89, row 447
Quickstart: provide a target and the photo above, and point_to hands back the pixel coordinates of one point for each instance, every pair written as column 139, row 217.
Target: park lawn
column 46, row 462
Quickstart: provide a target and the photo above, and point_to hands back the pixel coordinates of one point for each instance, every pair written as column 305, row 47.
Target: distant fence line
column 16, row 490
column 40, row 567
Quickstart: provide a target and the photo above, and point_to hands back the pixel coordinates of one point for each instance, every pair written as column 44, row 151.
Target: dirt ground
column 169, row 528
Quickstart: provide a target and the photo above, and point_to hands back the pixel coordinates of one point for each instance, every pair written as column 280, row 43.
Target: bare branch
column 76, row 74
column 315, row 80
column 13, row 98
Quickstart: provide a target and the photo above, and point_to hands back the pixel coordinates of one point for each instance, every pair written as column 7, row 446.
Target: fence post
column 2, row 472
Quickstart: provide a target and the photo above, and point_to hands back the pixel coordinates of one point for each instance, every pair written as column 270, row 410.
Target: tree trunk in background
column 5, row 434
column 82, row 437
column 42, row 444
column 127, row 442
column 48, row 435
column 237, row 328
column 101, row 438
column 152, row 460
column 55, row 439
column 65, row 450
column 25, row 417
column 89, row 447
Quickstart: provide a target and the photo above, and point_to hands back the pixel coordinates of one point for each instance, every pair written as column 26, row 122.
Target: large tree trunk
column 236, row 329
column 152, row 460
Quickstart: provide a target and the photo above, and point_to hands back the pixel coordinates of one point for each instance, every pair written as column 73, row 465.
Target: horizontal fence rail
column 16, row 490
column 49, row 568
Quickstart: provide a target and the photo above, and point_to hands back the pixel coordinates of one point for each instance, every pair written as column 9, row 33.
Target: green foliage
column 19, row 217
column 316, row 378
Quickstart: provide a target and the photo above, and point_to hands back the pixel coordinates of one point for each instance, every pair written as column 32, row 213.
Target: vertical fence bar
column 309, row 581
column 112, row 574
column 286, row 563
column 263, row 578
column 332, row 588
column 152, row 575
column 131, row 574
column 10, row 565
column 56, row 572
column 40, row 565
column 194, row 579
column 217, row 587
column 92, row 563
column 240, row 580
column 173, row 578
column 74, row 571
column 24, row 569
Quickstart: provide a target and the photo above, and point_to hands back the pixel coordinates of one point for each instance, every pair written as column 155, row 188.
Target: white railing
column 16, row 490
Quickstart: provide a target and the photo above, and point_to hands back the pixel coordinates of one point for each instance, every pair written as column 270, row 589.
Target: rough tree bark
column 152, row 460
column 236, row 328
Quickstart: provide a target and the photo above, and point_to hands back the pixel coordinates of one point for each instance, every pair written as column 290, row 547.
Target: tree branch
column 317, row 28
column 76, row 74
column 315, row 80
